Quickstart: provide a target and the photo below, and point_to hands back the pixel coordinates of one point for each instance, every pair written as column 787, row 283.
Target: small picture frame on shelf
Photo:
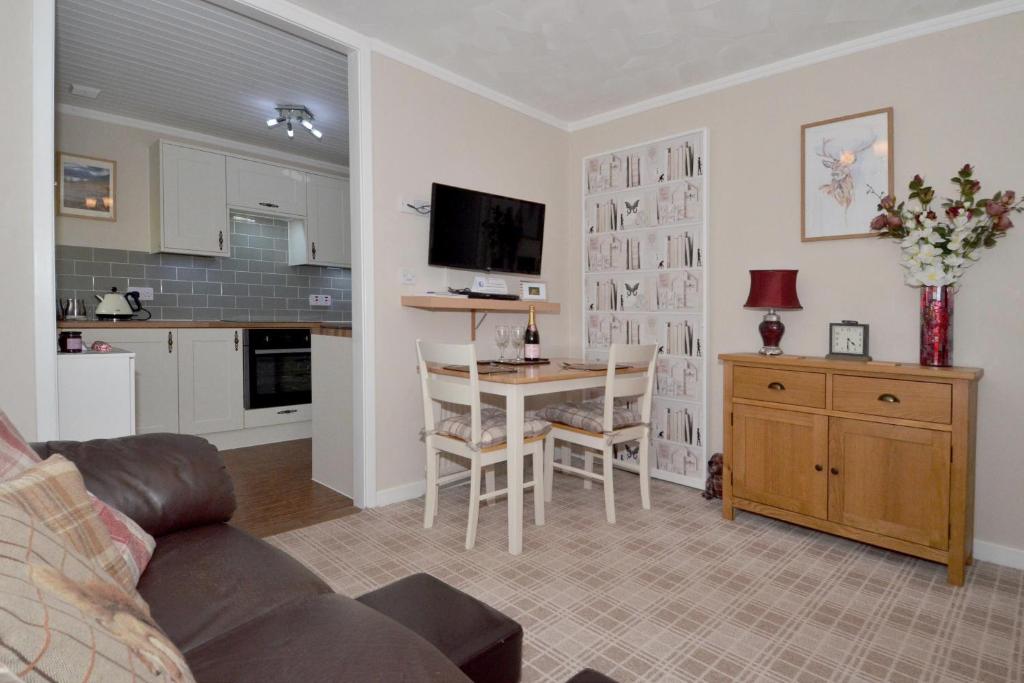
column 533, row 291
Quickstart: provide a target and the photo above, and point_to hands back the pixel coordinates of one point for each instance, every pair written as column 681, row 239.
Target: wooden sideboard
column 881, row 453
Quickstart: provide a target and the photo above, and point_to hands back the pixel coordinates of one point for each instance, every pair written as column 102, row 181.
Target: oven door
column 279, row 378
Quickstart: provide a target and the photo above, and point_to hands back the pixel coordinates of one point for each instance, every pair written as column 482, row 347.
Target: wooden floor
column 275, row 490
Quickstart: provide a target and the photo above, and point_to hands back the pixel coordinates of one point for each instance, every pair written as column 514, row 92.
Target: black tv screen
column 481, row 231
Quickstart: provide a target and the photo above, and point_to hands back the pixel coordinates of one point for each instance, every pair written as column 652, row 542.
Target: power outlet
column 145, row 293
column 319, row 299
column 407, row 277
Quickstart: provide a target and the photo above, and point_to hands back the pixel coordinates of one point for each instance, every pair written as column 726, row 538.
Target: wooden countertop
column 315, row 327
column 881, row 367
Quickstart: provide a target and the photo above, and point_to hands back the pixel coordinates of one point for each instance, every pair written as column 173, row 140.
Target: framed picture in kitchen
column 86, row 187
column 846, row 163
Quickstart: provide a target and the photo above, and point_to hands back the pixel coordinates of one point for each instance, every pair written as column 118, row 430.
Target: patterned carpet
column 678, row 594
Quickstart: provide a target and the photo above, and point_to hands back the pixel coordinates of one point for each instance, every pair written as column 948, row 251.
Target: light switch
column 408, row 277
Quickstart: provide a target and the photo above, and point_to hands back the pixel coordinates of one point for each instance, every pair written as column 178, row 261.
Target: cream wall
column 130, row 147
column 426, row 130
column 17, row 338
column 958, row 97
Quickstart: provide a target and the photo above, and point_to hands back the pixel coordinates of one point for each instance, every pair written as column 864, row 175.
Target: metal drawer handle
column 236, row 340
column 288, row 412
column 888, row 398
column 220, row 240
column 170, row 341
column 777, row 386
column 270, row 205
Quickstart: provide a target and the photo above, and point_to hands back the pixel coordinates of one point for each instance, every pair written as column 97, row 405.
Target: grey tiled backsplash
column 254, row 284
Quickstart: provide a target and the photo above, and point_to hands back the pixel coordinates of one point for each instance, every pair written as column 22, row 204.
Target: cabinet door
column 156, row 374
column 194, row 214
column 891, row 480
column 328, row 234
column 779, row 459
column 210, row 383
column 266, row 188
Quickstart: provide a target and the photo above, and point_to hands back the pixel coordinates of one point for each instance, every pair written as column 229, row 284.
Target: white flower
column 913, row 206
column 912, row 238
column 955, row 245
column 934, row 237
column 929, row 222
column 933, row 276
column 953, row 260
column 928, row 253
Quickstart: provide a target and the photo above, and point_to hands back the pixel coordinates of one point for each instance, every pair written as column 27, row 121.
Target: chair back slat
column 632, row 384
column 448, row 389
column 443, row 389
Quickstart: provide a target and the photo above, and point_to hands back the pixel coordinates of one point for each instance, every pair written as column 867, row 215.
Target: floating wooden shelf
column 428, row 302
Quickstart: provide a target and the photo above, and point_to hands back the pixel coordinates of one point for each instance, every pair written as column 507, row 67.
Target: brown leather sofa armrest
column 165, row 482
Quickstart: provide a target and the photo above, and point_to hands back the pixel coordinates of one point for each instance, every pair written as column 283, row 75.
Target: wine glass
column 501, row 337
column 518, row 336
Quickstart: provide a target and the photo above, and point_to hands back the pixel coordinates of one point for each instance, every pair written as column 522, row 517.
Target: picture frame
column 844, row 162
column 86, row 187
column 533, row 291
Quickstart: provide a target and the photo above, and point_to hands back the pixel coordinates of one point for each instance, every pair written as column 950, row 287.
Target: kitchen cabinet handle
column 888, row 398
column 818, row 468
column 270, row 205
column 236, row 340
column 220, row 239
column 288, row 412
column 777, row 386
column 170, row 341
column 834, row 470
column 314, row 251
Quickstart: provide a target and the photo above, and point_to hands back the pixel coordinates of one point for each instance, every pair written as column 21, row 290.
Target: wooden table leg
column 514, row 409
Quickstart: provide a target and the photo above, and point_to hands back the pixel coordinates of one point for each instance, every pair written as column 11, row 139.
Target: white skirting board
column 999, row 554
column 403, row 492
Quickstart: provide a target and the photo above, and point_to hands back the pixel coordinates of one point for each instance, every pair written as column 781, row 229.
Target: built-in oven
column 278, row 368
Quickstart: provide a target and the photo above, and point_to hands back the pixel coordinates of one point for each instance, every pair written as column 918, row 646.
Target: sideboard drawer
column 894, row 398
column 779, row 386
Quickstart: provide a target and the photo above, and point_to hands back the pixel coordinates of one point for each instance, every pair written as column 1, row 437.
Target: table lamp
column 774, row 290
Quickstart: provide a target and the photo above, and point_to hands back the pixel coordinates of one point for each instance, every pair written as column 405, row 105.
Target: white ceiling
column 572, row 59
column 192, row 65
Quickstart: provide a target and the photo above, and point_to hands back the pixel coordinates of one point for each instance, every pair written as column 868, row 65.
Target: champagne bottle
column 531, row 350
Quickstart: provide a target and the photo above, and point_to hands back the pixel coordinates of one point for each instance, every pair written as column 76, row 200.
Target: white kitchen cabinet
column 156, row 374
column 210, row 380
column 265, row 188
column 95, row 395
column 333, row 445
column 324, row 238
column 188, row 204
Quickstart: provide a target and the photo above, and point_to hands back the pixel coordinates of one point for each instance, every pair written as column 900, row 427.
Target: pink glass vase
column 937, row 326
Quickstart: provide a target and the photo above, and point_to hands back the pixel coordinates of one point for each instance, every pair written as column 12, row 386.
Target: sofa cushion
column 325, row 638
column 65, row 619
column 165, row 482
column 589, row 415
column 483, row 642
column 205, row 581
column 493, row 427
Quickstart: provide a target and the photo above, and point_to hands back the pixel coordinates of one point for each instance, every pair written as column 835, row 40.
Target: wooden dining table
column 531, row 380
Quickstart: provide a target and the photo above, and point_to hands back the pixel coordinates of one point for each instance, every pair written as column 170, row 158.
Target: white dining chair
column 477, row 436
column 599, row 425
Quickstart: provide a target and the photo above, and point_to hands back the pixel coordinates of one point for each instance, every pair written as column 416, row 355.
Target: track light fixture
column 290, row 114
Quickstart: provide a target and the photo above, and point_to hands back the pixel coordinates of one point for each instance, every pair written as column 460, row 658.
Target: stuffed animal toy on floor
column 713, row 487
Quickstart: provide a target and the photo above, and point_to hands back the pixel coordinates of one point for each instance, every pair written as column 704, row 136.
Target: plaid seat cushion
column 492, row 427
column 589, row 415
column 65, row 619
column 131, row 541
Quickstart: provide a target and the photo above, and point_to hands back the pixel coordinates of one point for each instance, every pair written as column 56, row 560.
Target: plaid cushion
column 492, row 427
column 65, row 619
column 53, row 493
column 131, row 541
column 589, row 415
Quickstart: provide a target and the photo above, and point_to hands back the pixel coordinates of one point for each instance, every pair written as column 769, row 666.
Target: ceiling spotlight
column 291, row 114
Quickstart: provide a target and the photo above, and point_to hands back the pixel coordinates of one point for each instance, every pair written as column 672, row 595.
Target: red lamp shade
column 773, row 289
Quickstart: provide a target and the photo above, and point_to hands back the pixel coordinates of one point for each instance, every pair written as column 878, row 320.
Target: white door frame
column 296, row 20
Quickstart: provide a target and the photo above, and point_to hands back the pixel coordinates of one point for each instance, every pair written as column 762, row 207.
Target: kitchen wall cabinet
column 324, row 238
column 878, row 452
column 210, row 381
column 188, row 204
column 265, row 188
column 156, row 374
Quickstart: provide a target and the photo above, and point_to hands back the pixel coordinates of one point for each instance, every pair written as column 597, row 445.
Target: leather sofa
column 241, row 610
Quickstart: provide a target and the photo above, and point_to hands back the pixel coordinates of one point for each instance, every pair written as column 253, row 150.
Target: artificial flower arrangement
column 938, row 245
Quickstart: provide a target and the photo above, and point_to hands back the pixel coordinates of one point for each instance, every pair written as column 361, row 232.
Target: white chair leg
column 474, row 503
column 489, row 481
column 538, row 483
column 430, row 500
column 645, row 471
column 609, row 489
column 588, row 465
column 549, row 466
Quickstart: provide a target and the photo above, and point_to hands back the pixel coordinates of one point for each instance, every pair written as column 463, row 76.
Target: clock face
column 848, row 339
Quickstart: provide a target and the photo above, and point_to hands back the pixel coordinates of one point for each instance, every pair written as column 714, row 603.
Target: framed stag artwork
column 846, row 163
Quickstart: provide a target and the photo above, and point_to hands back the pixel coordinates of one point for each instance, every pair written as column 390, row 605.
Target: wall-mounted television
column 480, row 231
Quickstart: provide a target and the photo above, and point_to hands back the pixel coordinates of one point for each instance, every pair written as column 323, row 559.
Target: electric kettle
column 117, row 306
